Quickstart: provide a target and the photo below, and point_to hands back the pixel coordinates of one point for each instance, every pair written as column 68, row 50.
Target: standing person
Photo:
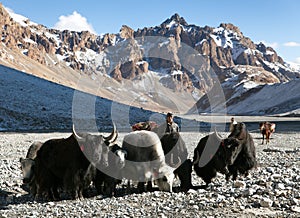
column 233, row 122
column 166, row 127
column 171, row 125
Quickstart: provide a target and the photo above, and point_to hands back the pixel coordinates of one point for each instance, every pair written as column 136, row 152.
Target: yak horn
column 179, row 163
column 172, row 159
column 218, row 135
column 75, row 134
column 172, row 162
column 113, row 136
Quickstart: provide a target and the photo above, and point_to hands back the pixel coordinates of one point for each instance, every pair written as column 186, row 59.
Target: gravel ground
column 271, row 190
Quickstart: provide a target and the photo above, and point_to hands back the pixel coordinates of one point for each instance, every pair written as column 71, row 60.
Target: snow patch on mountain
column 293, row 66
column 23, row 21
column 271, row 99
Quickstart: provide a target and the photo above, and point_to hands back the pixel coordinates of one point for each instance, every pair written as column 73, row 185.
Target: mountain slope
column 271, row 99
column 243, row 96
column 28, row 103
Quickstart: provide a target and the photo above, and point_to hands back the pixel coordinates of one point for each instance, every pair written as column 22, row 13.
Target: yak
column 213, row 154
column 266, row 129
column 145, row 160
column 175, row 150
column 70, row 162
column 246, row 159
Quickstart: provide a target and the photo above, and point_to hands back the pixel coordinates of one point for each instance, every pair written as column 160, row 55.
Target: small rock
column 249, row 192
column 191, row 202
column 220, row 198
column 266, row 202
column 239, row 184
column 162, row 215
column 196, row 207
column 295, row 209
column 280, row 186
column 192, row 191
column 276, row 176
column 295, row 201
column 51, row 203
column 280, row 193
column 270, row 169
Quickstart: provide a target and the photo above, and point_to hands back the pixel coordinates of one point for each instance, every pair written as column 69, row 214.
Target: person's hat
column 169, row 114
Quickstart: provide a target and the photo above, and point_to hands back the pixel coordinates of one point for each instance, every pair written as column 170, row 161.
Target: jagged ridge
column 224, row 50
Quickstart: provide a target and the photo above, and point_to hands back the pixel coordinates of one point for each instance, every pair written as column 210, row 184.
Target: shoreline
column 215, row 118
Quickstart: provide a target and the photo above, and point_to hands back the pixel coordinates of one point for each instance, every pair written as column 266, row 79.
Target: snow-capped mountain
column 169, row 67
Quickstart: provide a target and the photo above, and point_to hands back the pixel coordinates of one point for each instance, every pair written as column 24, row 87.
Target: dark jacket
column 172, row 127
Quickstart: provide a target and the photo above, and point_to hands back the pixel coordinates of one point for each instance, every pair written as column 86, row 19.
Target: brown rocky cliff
column 39, row 41
column 14, row 35
column 126, row 32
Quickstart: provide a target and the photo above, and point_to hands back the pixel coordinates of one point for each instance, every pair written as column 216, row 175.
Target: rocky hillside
column 166, row 67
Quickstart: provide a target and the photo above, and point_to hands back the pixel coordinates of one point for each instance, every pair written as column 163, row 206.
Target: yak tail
column 197, row 157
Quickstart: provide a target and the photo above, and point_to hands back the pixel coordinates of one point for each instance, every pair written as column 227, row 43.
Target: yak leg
column 109, row 187
column 128, row 188
column 207, row 178
column 43, row 183
column 232, row 172
column 184, row 174
column 141, row 187
column 268, row 137
column 32, row 187
column 234, row 175
column 246, row 173
column 228, row 176
column 98, row 181
column 70, row 181
column 149, row 186
column 55, row 193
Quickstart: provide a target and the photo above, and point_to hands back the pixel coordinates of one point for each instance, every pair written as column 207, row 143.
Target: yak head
column 117, row 157
column 96, row 147
column 27, row 167
column 234, row 142
column 174, row 149
column 239, row 132
column 232, row 147
column 164, row 178
column 210, row 151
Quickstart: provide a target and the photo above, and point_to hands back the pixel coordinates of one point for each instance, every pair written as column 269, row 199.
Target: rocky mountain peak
column 230, row 26
column 126, row 32
column 3, row 12
column 175, row 19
